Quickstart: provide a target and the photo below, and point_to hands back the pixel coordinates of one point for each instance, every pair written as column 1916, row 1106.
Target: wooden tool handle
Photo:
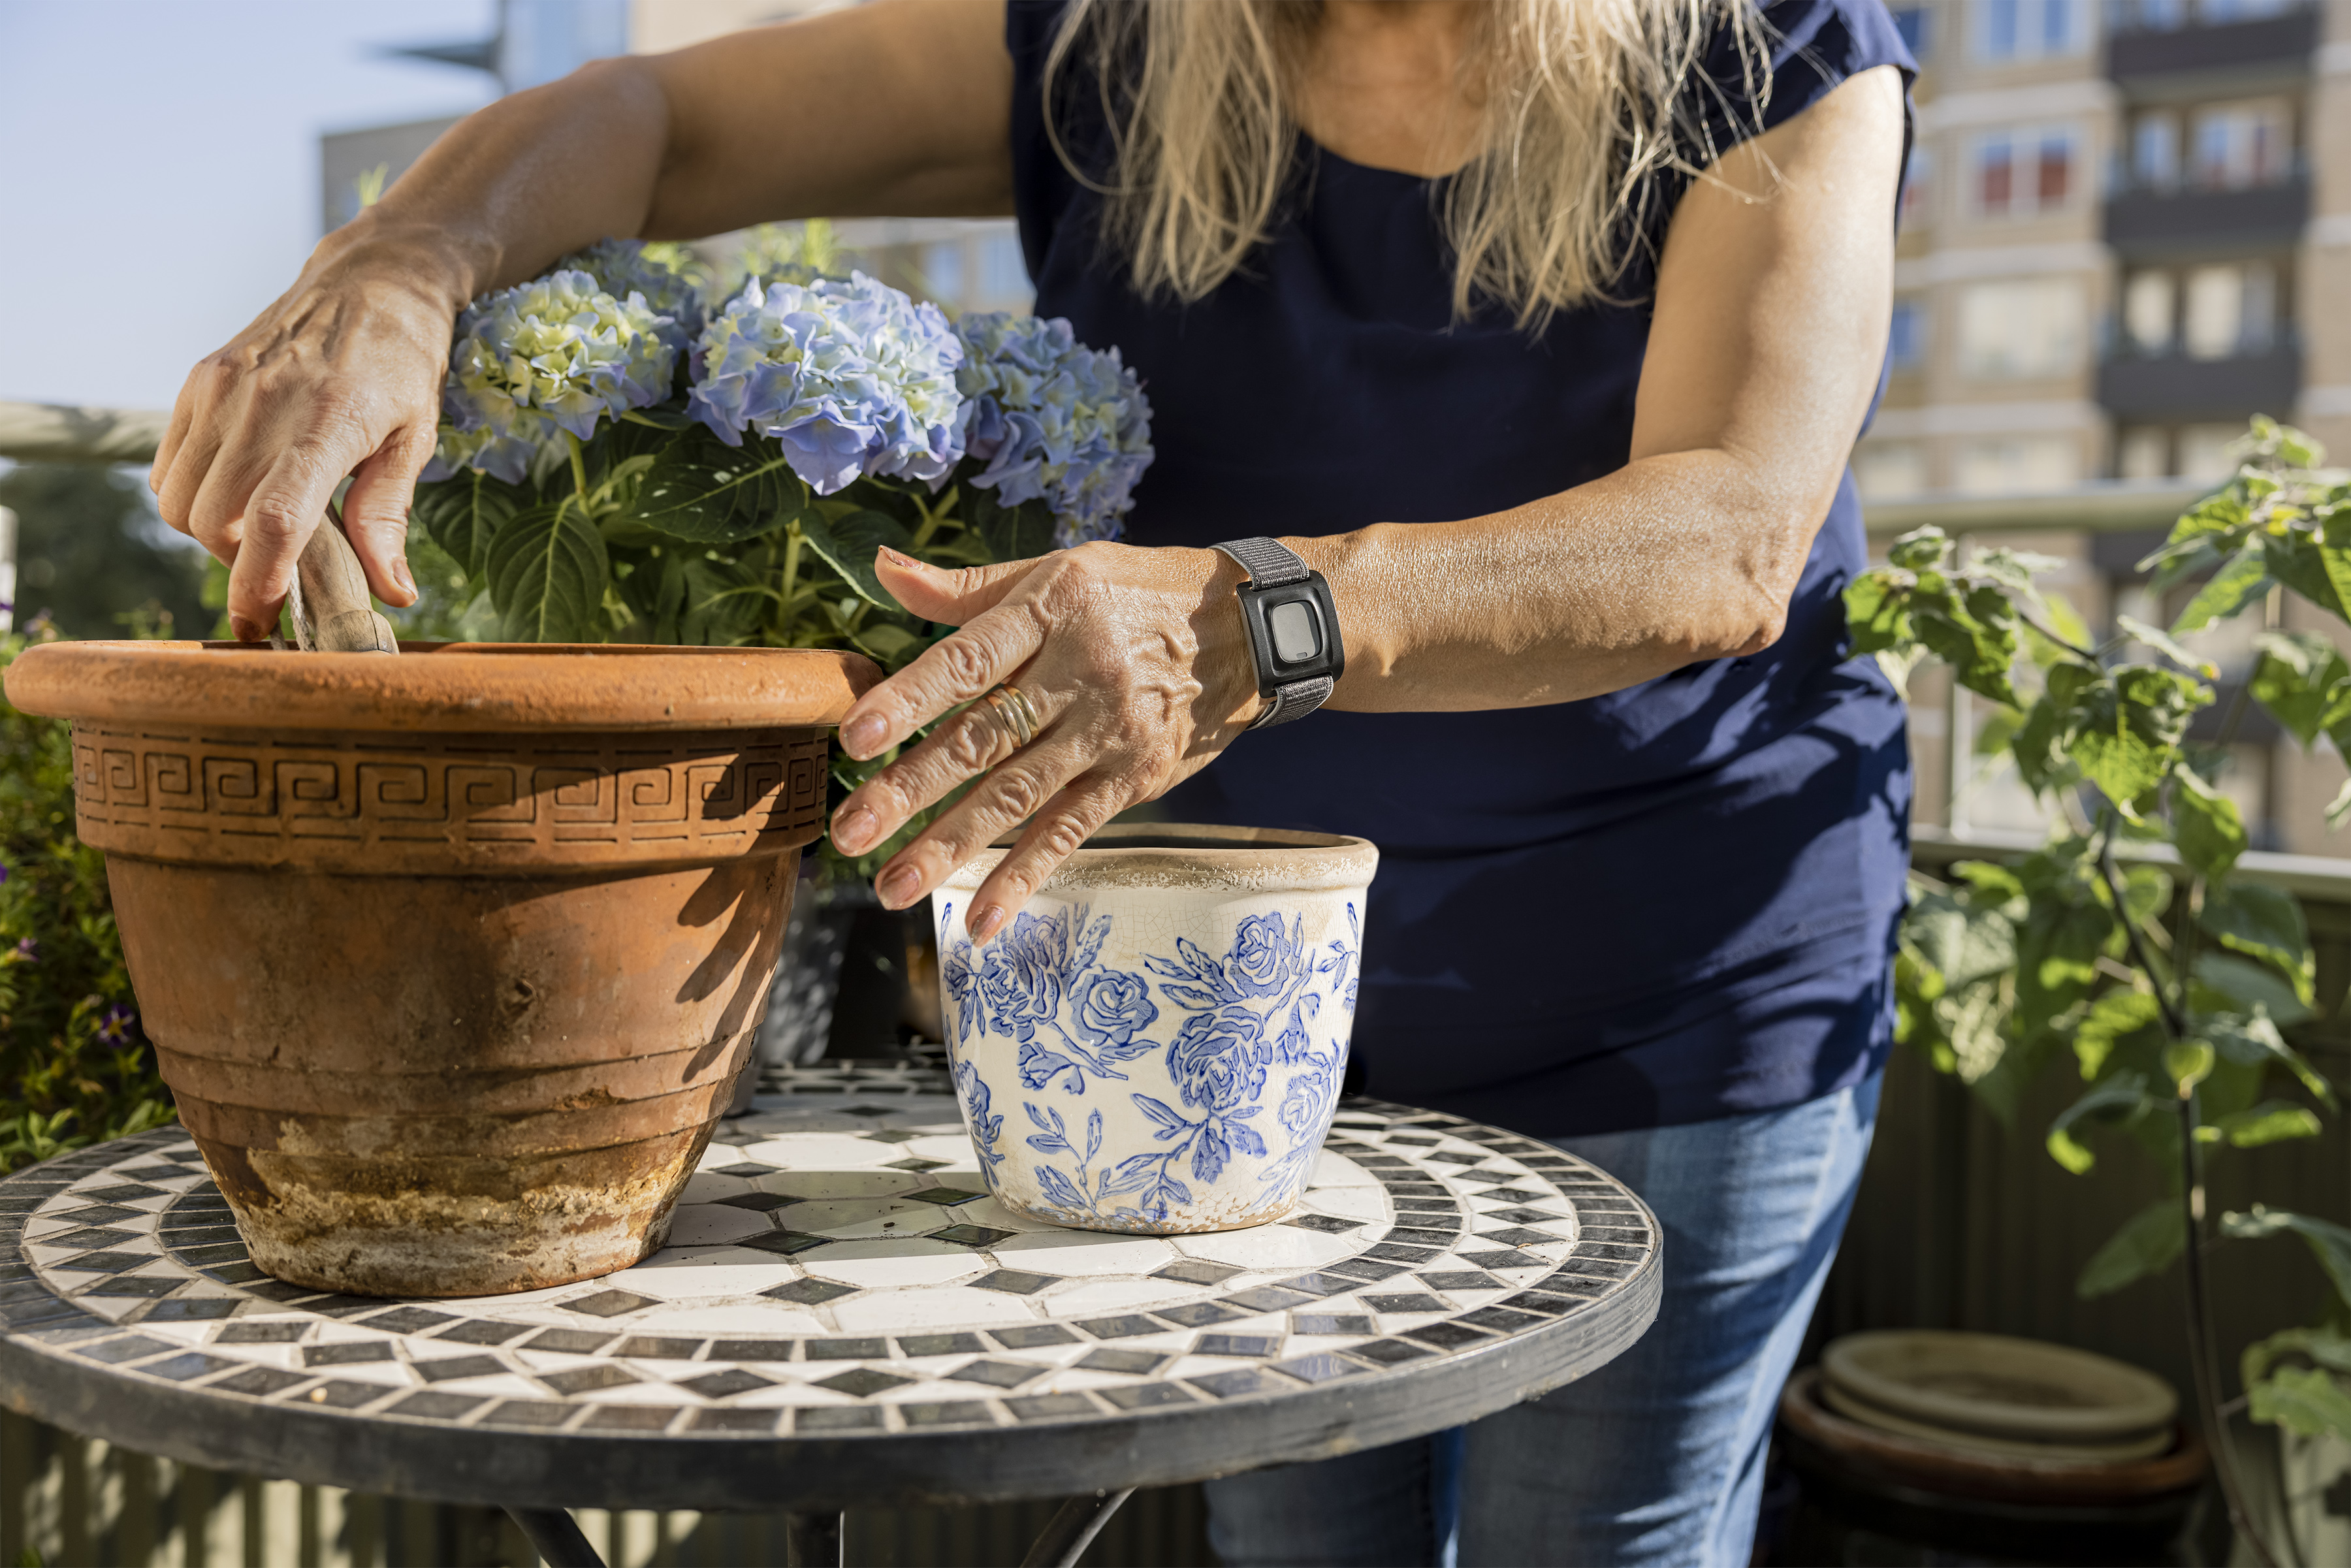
column 335, row 594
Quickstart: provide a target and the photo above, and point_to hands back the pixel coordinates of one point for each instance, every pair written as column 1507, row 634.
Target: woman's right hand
column 341, row 376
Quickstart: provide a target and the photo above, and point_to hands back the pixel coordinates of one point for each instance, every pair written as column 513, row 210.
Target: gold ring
column 1016, row 714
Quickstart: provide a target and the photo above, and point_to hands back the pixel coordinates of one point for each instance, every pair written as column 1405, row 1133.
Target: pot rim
column 465, row 687
column 1225, row 860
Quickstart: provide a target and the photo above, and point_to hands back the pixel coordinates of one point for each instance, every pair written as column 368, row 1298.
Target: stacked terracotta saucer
column 1990, row 1394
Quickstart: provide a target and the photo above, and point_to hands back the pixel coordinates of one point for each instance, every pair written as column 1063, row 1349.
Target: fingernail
column 862, row 736
column 399, row 575
column 984, row 923
column 898, row 886
column 246, row 632
column 856, row 830
column 895, row 558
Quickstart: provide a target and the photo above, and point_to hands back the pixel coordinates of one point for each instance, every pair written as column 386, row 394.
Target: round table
column 841, row 1316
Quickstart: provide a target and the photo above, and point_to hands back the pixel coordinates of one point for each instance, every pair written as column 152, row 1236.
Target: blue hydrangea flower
column 1054, row 420
column 556, row 354
column 850, row 378
column 659, row 273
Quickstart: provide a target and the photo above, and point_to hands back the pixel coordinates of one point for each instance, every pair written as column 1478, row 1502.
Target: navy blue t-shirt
column 1666, row 905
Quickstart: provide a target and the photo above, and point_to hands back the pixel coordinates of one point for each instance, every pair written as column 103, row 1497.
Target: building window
column 2155, row 152
column 2023, row 329
column 1917, row 189
column 1915, row 23
column 1003, row 275
column 2149, row 307
column 2144, row 453
column 2238, row 146
column 2206, row 452
column 2029, row 29
column 942, row 278
column 2026, row 171
column 2230, row 310
column 1889, row 470
column 2212, row 12
column 2018, row 464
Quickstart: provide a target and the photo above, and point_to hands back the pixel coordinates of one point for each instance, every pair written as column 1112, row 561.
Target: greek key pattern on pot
column 619, row 796
column 836, row 1269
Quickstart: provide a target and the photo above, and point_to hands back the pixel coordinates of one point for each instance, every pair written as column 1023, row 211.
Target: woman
column 1543, row 330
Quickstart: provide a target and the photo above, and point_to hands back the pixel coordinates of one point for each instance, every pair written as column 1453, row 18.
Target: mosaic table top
column 841, row 1315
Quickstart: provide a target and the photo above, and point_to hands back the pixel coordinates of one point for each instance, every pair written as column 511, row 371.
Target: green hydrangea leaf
column 2057, row 955
column 2295, row 559
column 2036, row 748
column 2206, row 825
column 2303, row 680
column 2266, row 923
column 2270, row 1121
column 2116, row 1022
column 701, row 490
column 1877, row 613
column 1961, row 939
column 2329, row 1243
column 2242, row 986
column 2140, row 631
column 1974, row 635
column 1920, row 549
column 2242, row 579
column 2250, row 1039
column 464, row 513
column 847, row 544
column 547, row 570
column 2148, row 1242
column 2303, row 1400
column 2328, row 1347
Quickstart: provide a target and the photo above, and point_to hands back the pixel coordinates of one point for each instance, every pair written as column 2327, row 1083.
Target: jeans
column 1657, row 1458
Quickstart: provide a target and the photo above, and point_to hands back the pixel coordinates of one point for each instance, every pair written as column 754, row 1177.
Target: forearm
column 1672, row 560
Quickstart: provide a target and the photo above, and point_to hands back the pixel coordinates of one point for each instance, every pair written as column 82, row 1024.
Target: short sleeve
column 1814, row 46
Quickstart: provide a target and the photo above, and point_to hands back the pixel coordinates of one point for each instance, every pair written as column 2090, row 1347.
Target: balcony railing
column 2175, row 387
column 2280, row 45
column 2145, row 225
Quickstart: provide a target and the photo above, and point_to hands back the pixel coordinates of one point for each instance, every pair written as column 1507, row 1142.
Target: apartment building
column 2126, row 230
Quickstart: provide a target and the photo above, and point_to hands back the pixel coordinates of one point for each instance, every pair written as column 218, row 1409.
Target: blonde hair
column 1588, row 107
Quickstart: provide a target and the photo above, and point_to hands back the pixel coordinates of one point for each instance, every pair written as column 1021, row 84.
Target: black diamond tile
column 848, row 1350
column 945, row 1196
column 1030, row 1336
column 341, row 1395
column 344, row 1306
column 1401, row 1140
column 527, row 1412
column 1268, row 1297
column 734, row 1420
column 890, row 1136
column 189, row 1367
column 947, row 1413
column 790, row 1243
column 431, row 1405
column 1399, row 1187
column 608, row 1304
column 1320, row 1284
column 1540, row 1301
column 1413, row 1301
column 1518, row 1236
column 120, row 1192
column 1052, row 1406
column 1575, row 1285
column 1446, row 1336
column 918, row 1164
column 838, row 1418
column 1197, row 1315
column 1501, row 1320
column 723, row 1384
column 1515, row 1195
column 1331, row 1323
column 940, row 1344
column 1523, row 1216
column 103, row 1262
column 758, row 1202
column 1502, row 1258
column 1625, row 1235
column 860, row 1382
column 1135, row 1362
column 972, row 1235
column 260, row 1381
column 745, row 1168
column 1252, row 1344
column 101, row 1214
column 219, row 1252
column 481, row 1330
column 1329, row 1225
column 570, row 1341
column 1390, row 1352
column 1364, row 1269
column 458, row 1366
column 1196, row 1271
column 1146, row 1396
column 279, row 1290
column 347, row 1352
column 656, row 1347
column 1322, row 1368
column 88, row 1239
column 260, row 1333
column 406, row 1320
column 869, row 1110
column 1237, row 1384
column 1413, row 1236
column 1393, row 1253
column 1491, row 1179
column 151, row 1173
column 1461, row 1279
column 1455, row 1157
column 234, row 1273
column 1126, row 1325
column 631, row 1417
column 752, row 1349
column 1594, row 1268
column 1382, row 1162
column 1016, row 1281
column 809, row 1293
column 997, row 1374
column 148, row 1285
column 1416, row 1209
column 1587, row 1248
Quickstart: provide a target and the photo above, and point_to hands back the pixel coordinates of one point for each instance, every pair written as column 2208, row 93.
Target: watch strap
column 1273, row 564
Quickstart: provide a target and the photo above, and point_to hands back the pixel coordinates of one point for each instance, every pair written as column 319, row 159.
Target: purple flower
column 115, row 1027
column 28, row 950
column 1054, row 420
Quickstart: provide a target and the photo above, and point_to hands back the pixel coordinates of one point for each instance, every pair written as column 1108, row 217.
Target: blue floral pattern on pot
column 1141, row 1060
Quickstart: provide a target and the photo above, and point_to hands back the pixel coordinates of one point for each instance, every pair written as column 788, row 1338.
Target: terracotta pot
column 1157, row 1043
column 449, row 959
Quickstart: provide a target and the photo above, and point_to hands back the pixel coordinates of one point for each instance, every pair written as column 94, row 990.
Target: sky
column 161, row 179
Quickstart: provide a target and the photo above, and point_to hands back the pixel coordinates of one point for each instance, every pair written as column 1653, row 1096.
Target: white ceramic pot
column 1155, row 1043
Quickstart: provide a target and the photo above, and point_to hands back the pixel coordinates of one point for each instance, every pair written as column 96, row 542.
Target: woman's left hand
column 1136, row 665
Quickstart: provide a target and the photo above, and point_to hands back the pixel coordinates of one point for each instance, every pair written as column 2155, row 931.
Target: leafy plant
column 2127, row 944
column 75, row 1067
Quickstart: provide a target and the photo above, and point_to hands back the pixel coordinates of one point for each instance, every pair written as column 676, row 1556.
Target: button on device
column 1297, row 634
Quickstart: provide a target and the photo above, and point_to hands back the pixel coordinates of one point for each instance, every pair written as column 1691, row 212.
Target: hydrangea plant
column 628, row 454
